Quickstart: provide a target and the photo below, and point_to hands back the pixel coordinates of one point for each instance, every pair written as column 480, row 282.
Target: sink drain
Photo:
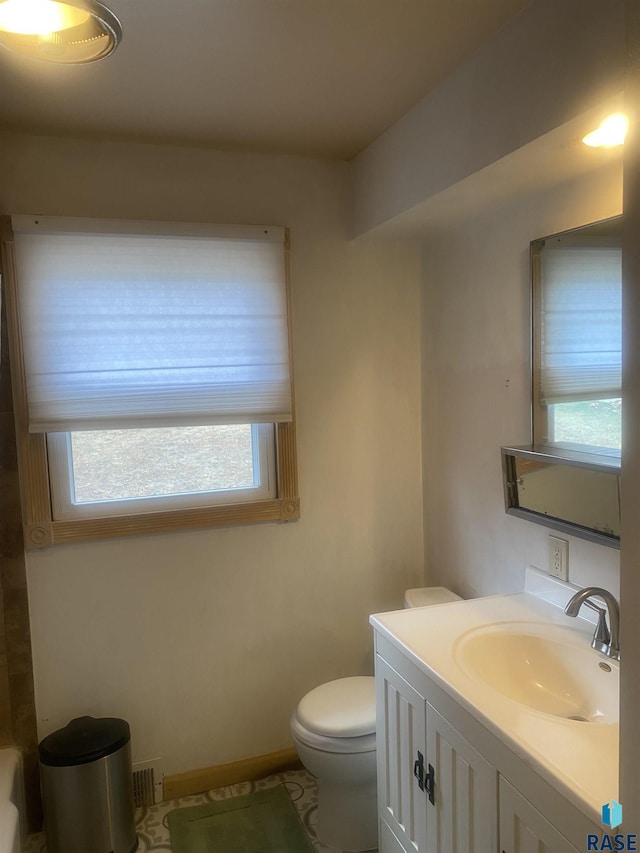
column 578, row 718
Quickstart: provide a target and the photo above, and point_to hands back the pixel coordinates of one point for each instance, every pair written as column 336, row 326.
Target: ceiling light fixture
column 70, row 32
column 611, row 132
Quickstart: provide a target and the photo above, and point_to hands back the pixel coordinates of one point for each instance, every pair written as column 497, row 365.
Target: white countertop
column 579, row 759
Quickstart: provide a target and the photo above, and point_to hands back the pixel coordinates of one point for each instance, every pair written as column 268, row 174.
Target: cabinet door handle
column 430, row 785
column 418, row 770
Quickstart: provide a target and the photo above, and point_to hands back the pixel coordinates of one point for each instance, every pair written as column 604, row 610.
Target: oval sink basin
column 544, row 668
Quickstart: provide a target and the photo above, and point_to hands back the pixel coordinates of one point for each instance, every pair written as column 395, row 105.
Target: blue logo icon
column 612, row 814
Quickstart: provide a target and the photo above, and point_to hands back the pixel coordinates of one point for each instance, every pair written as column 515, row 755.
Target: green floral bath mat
column 262, row 822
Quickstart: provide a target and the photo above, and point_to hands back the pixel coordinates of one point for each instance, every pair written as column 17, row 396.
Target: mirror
column 574, row 493
column 576, row 289
column 569, row 477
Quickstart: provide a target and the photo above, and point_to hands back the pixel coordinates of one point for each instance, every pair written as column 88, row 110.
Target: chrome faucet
column 605, row 639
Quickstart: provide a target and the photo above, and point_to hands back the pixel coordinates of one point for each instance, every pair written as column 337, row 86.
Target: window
column 577, row 342
column 153, row 363
column 119, row 472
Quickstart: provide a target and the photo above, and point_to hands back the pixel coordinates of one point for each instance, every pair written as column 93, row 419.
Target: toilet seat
column 344, row 708
column 338, row 745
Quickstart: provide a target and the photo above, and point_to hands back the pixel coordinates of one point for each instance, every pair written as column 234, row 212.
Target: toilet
column 334, row 730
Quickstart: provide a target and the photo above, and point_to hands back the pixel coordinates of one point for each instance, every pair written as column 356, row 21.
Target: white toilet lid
column 342, row 708
column 335, row 745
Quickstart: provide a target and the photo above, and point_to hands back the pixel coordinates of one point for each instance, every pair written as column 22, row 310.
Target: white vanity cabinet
column 446, row 784
column 436, row 793
column 464, row 811
column 401, row 740
column 523, row 829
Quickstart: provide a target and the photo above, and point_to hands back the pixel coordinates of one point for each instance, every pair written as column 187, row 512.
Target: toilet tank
column 424, row 596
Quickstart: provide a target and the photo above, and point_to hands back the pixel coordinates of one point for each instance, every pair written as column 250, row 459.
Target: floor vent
column 147, row 782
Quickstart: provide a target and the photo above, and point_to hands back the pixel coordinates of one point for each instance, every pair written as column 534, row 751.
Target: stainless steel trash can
column 87, row 788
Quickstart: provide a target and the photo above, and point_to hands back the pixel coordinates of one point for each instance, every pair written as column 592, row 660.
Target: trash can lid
column 83, row 740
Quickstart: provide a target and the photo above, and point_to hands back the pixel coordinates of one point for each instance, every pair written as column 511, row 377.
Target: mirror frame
column 552, row 456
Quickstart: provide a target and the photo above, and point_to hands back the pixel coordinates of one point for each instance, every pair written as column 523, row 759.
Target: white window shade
column 129, row 324
column 581, row 324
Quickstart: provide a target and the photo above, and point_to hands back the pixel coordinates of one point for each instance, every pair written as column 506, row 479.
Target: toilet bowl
column 334, row 730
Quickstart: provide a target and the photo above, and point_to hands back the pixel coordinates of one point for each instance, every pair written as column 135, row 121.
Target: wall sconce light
column 611, row 132
column 70, row 32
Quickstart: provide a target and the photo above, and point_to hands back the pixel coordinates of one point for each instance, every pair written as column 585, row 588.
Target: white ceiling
column 311, row 77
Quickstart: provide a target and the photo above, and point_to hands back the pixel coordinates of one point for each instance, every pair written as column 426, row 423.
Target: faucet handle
column 602, row 634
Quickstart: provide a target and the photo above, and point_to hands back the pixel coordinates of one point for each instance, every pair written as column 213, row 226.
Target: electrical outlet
column 559, row 558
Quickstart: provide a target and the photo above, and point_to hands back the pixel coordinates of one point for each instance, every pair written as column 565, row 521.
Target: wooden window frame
column 42, row 530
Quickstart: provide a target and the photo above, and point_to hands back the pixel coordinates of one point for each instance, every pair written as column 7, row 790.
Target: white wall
column 206, row 640
column 476, row 390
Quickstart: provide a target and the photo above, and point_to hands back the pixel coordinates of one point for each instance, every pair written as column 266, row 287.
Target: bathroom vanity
column 497, row 726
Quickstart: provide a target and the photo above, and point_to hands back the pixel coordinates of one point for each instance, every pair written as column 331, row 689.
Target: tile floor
column 153, row 833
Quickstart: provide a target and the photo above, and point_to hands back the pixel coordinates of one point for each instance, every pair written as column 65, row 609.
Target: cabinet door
column 400, row 741
column 464, row 815
column 387, row 841
column 523, row 829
